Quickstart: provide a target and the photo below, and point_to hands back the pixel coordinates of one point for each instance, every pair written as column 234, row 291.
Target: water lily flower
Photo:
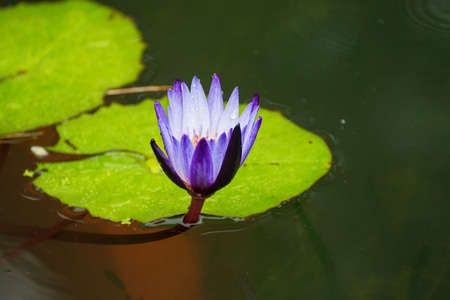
column 205, row 143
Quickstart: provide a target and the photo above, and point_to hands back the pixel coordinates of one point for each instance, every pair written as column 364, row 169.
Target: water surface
column 371, row 77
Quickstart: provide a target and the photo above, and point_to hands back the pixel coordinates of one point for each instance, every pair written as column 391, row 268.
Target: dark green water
column 373, row 78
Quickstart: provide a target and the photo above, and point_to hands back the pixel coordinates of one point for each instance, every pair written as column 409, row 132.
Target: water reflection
column 29, row 278
column 429, row 17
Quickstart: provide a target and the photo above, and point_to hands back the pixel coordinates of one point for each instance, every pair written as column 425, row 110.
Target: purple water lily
column 205, row 142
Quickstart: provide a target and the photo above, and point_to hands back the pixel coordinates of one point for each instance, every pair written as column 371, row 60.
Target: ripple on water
column 431, row 18
column 76, row 214
column 31, row 192
column 337, row 40
column 334, row 40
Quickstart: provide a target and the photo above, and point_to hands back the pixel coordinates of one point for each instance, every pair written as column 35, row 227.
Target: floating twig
column 11, row 138
column 139, row 89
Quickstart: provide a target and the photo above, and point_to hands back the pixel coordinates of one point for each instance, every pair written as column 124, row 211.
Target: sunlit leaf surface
column 59, row 58
column 121, row 185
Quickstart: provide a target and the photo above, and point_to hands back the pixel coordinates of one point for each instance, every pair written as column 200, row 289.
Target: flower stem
column 195, row 208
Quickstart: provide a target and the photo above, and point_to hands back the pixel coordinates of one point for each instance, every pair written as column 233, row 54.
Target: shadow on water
column 43, row 240
column 57, row 231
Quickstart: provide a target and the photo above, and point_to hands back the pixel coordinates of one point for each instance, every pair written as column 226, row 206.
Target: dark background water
column 373, row 78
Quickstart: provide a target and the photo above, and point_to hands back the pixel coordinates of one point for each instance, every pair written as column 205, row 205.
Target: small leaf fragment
column 28, row 173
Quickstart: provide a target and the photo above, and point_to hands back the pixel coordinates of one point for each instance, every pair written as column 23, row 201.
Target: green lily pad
column 118, row 185
column 114, row 127
column 59, row 58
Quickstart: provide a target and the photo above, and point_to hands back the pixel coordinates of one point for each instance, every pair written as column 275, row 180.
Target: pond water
column 371, row 77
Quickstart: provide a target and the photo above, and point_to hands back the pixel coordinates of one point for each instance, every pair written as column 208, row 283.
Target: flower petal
column 230, row 115
column 248, row 115
column 166, row 165
column 201, row 172
column 164, row 128
column 231, row 162
column 215, row 105
column 186, row 150
column 218, row 149
column 201, row 107
column 248, row 142
column 195, row 109
column 176, row 159
column 175, row 109
column 160, row 113
column 187, row 116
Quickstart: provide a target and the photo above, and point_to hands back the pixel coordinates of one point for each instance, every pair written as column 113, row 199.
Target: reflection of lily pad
column 285, row 161
column 58, row 58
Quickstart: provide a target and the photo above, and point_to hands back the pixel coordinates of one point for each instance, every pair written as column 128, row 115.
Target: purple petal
column 248, row 115
column 247, row 122
column 215, row 105
column 195, row 109
column 248, row 143
column 231, row 162
column 188, row 109
column 160, row 113
column 175, row 109
column 164, row 128
column 230, row 115
column 201, row 107
column 176, row 159
column 201, row 173
column 175, row 121
column 186, row 152
column 218, row 149
column 166, row 165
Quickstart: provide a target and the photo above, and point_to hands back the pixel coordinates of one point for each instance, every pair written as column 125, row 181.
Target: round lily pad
column 59, row 58
column 121, row 185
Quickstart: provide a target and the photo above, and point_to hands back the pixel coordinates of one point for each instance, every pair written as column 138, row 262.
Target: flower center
column 196, row 139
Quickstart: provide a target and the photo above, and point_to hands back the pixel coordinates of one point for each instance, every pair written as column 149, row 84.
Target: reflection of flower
column 205, row 143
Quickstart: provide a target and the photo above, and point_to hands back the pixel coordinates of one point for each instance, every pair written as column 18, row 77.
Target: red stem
column 195, row 208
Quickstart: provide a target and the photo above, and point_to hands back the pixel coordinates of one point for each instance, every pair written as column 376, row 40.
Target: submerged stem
column 195, row 208
column 40, row 238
